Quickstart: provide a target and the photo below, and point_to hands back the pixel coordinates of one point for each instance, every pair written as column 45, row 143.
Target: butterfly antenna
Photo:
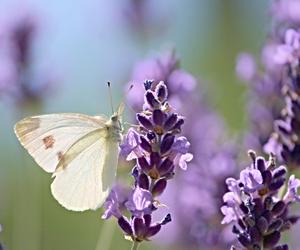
column 124, row 99
column 110, row 97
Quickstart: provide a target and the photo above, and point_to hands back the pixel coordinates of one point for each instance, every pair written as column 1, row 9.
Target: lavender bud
column 276, row 225
column 144, row 165
column 166, row 143
column 161, row 92
column 281, row 247
column 244, row 208
column 145, row 144
column 144, row 121
column 165, row 167
column 148, row 84
column 150, row 135
column 151, row 100
column 260, row 164
column 153, row 230
column 268, row 203
column 166, row 220
column 254, row 234
column 241, row 223
column 277, row 185
column 235, row 230
column 135, row 172
column 139, row 227
column 244, row 240
column 267, row 215
column 272, row 239
column 125, row 225
column 155, row 158
column 262, row 224
column 267, row 177
column 279, row 172
column 293, row 219
column 278, row 208
column 147, row 219
column 178, row 125
column 258, row 207
column 143, row 181
column 159, row 187
column 170, row 122
column 158, row 117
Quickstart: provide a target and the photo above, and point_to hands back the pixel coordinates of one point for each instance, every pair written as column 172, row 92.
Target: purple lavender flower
column 260, row 214
column 140, row 202
column 115, row 202
column 157, row 150
column 284, row 142
column 213, row 160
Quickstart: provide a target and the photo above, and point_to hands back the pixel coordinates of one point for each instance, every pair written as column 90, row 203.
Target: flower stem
column 135, row 245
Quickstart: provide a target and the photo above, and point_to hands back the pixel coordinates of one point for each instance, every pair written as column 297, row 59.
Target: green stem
column 135, row 245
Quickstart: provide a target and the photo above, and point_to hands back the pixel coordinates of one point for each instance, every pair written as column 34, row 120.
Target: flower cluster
column 256, row 205
column 17, row 77
column 265, row 96
column 157, row 150
column 285, row 140
column 164, row 68
column 213, row 162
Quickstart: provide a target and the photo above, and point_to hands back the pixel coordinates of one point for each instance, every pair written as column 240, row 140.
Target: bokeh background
column 79, row 46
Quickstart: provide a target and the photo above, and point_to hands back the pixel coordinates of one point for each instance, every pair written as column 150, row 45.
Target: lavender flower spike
column 157, row 150
column 259, row 213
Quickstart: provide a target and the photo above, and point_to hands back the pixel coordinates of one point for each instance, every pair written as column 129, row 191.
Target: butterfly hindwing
column 86, row 180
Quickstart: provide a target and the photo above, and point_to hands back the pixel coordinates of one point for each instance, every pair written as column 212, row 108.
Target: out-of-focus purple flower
column 292, row 194
column 161, row 68
column 18, row 79
column 144, row 18
column 245, row 67
column 140, row 202
column 284, row 141
column 289, row 51
column 260, row 214
column 286, row 11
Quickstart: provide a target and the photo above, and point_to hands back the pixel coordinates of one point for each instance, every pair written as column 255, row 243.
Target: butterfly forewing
column 48, row 137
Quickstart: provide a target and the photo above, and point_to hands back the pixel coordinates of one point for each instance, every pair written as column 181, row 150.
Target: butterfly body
column 80, row 151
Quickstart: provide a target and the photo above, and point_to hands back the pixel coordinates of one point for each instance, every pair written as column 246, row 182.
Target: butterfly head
column 115, row 123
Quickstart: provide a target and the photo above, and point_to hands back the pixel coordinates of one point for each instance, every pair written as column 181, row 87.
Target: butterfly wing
column 48, row 137
column 86, row 172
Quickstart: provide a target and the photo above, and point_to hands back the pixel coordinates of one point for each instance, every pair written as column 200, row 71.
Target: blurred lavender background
column 75, row 48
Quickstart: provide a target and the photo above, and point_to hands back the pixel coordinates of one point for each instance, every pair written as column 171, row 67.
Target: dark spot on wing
column 60, row 155
column 48, row 141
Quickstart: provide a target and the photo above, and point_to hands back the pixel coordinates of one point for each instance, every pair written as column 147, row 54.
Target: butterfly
column 81, row 152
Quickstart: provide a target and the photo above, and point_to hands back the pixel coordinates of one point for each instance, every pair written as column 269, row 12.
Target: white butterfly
column 80, row 150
